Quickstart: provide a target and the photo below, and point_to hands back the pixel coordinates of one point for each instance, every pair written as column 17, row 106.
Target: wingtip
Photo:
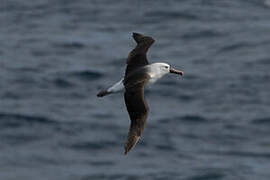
column 131, row 142
column 140, row 38
column 126, row 150
column 135, row 34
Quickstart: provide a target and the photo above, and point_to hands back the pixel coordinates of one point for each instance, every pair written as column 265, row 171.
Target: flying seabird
column 138, row 73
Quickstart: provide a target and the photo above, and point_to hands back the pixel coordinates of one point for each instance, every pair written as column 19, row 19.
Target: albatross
column 138, row 73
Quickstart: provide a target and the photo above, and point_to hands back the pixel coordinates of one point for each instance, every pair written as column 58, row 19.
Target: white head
column 157, row 70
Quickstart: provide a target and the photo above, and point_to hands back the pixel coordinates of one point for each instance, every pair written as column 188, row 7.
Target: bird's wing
column 137, row 57
column 137, row 108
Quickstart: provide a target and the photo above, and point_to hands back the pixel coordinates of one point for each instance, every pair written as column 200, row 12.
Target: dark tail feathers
column 103, row 93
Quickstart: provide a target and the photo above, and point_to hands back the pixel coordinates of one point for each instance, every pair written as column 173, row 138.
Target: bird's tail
column 103, row 93
column 117, row 87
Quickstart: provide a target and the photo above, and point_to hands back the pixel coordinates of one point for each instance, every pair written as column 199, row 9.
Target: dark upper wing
column 137, row 57
column 138, row 110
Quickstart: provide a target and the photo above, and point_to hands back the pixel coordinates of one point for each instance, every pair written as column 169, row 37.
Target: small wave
column 104, row 126
column 201, row 34
column 87, row 146
column 121, row 176
column 262, row 121
column 87, row 75
column 165, row 147
column 10, row 95
column 26, row 80
column 208, row 176
column 118, row 62
column 168, row 82
column 172, row 14
column 92, row 145
column 39, row 52
column 261, row 78
column 15, row 120
column 69, row 45
column 244, row 154
column 232, row 126
column 62, row 83
column 46, row 160
column 235, row 46
column 191, row 77
column 193, row 118
column 264, row 61
column 103, row 115
column 19, row 138
column 186, row 97
column 185, row 118
column 102, row 163
column 190, row 136
column 27, row 69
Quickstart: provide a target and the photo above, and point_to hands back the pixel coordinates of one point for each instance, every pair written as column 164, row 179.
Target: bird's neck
column 155, row 73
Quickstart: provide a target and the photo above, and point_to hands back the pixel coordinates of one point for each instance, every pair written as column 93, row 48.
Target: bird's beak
column 175, row 71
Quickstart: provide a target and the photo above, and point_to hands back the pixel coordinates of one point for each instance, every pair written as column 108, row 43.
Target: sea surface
column 212, row 124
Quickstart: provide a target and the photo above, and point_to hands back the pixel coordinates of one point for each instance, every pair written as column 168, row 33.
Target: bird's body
column 138, row 73
column 152, row 70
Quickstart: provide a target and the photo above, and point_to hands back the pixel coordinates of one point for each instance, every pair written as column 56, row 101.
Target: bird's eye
column 166, row 67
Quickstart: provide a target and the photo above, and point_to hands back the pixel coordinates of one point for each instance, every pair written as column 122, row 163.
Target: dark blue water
column 213, row 124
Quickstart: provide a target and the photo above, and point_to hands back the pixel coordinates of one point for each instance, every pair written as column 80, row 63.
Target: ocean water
column 212, row 124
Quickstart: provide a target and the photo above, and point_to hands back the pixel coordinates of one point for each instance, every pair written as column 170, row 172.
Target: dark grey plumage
column 138, row 73
column 134, row 82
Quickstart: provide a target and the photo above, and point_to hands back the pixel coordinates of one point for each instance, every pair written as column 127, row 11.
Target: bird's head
column 166, row 68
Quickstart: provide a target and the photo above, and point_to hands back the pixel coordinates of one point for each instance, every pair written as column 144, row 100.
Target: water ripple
column 172, row 14
column 201, row 34
column 69, row 45
column 193, row 119
column 246, row 154
column 208, row 176
column 87, row 75
column 15, row 120
column 62, row 83
column 235, row 46
column 262, row 121
column 86, row 146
